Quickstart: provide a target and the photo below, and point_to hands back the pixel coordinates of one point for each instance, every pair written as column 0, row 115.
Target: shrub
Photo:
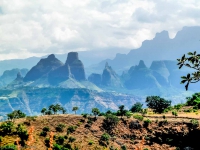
column 138, row 117
column 71, row 129
column 22, row 133
column 90, row 142
column 84, row 115
column 60, row 128
column 174, row 113
column 6, row 127
column 46, row 129
column 60, row 140
column 137, row 107
column 128, row 114
column 195, row 123
column 95, row 112
column 112, row 148
column 147, row 122
column 46, row 141
column 43, row 133
column 57, row 147
column 9, row 147
column 157, row 103
column 71, row 139
column 110, row 121
column 105, row 137
column 178, row 106
column 123, row 147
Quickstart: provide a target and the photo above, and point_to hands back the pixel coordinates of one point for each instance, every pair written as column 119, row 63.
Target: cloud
column 35, row 28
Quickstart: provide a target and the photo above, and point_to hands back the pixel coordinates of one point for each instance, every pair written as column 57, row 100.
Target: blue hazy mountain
column 161, row 47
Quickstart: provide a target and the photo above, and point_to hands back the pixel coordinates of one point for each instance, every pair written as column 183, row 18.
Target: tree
column 137, row 107
column 55, row 108
column 96, row 112
column 193, row 62
column 75, row 109
column 16, row 114
column 43, row 111
column 121, row 112
column 157, row 103
column 63, row 110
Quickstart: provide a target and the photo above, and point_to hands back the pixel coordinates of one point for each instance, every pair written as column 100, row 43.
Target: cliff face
column 110, row 78
column 44, row 66
column 95, row 78
column 76, row 66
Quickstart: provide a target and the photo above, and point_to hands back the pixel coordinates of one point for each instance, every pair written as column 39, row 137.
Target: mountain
column 10, row 75
column 43, row 67
column 161, row 47
column 31, row 100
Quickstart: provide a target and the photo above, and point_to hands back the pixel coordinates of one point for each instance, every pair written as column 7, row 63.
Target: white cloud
column 57, row 26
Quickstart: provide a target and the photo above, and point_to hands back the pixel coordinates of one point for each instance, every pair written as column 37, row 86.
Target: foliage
column 43, row 111
column 75, row 109
column 6, row 127
column 157, row 103
column 9, row 147
column 128, row 114
column 43, row 133
column 147, row 122
column 71, row 139
column 84, row 115
column 193, row 62
column 121, row 112
column 137, row 107
column 105, row 137
column 194, row 100
column 174, row 113
column 95, row 111
column 22, row 133
column 195, row 123
column 46, row 129
column 123, row 147
column 15, row 115
column 71, row 129
column 110, row 121
column 139, row 117
column 60, row 140
column 60, row 127
column 55, row 108
column 178, row 106
column 90, row 142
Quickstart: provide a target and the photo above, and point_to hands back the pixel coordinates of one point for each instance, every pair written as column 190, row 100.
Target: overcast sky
column 40, row 27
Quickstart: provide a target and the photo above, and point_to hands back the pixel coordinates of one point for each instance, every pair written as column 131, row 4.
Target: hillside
column 128, row 133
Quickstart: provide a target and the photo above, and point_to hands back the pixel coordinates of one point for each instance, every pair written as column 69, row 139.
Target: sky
column 40, row 27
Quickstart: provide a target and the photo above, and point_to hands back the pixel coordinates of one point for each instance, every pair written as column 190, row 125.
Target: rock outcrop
column 60, row 74
column 141, row 77
column 95, row 78
column 76, row 66
column 44, row 66
column 110, row 78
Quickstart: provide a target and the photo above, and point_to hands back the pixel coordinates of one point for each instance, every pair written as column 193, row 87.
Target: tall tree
column 96, row 112
column 75, row 109
column 43, row 111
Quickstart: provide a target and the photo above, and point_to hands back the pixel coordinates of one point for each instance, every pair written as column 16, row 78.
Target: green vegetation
column 95, row 112
column 139, row 117
column 137, row 107
column 71, row 129
column 157, row 103
column 75, row 109
column 60, row 127
column 192, row 61
column 16, row 114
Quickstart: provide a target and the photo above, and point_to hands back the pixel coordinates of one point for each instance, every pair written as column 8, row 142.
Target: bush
column 43, row 133
column 147, row 122
column 6, row 127
column 195, row 123
column 178, row 106
column 84, row 115
column 138, row 117
column 174, row 113
column 9, row 147
column 46, row 141
column 60, row 140
column 137, row 107
column 128, row 114
column 46, row 129
column 123, row 147
column 71, row 139
column 90, row 142
column 157, row 103
column 110, row 121
column 71, row 129
column 60, row 128
column 105, row 137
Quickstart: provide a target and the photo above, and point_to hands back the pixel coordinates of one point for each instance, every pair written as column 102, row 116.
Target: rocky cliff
column 110, row 78
column 95, row 78
column 76, row 66
column 44, row 66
